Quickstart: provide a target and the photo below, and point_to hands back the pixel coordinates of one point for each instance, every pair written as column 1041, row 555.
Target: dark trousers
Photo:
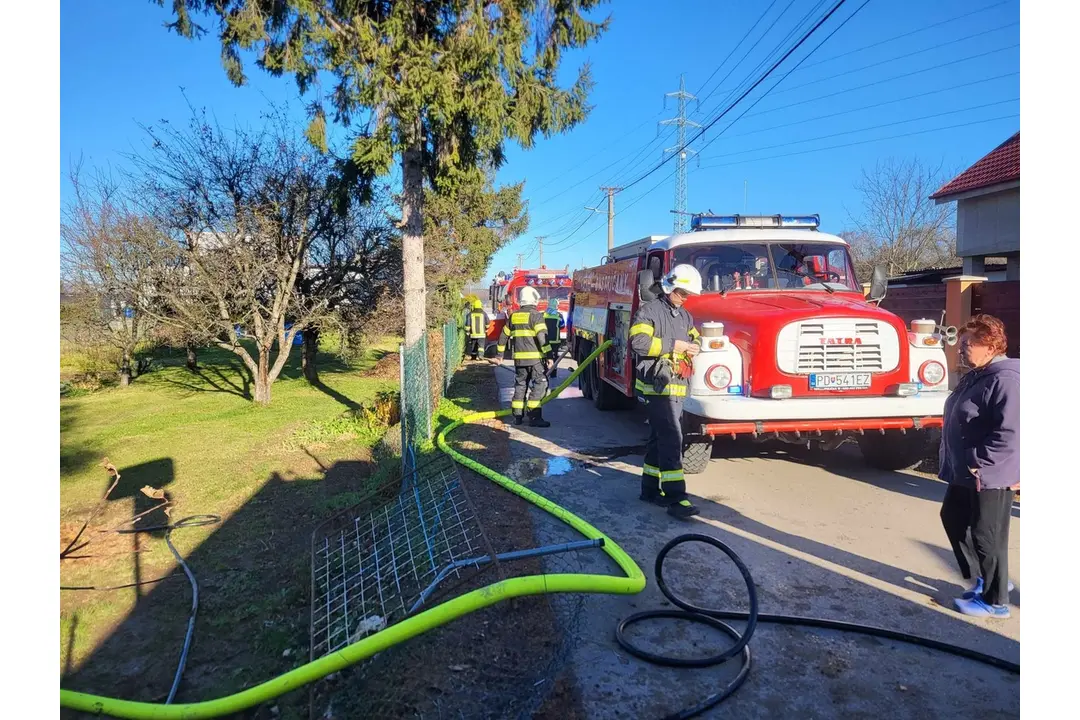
column 528, row 376
column 476, row 345
column 977, row 524
column 663, row 473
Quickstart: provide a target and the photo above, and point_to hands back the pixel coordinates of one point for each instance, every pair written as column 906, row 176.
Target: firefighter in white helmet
column 664, row 342
column 528, row 336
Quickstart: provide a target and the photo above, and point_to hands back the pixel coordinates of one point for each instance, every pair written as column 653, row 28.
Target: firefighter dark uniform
column 527, row 333
column 477, row 330
column 662, row 377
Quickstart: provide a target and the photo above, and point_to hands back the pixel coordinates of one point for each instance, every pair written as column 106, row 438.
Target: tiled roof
column 1000, row 165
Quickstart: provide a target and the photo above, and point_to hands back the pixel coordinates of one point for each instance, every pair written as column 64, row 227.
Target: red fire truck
column 791, row 348
column 554, row 289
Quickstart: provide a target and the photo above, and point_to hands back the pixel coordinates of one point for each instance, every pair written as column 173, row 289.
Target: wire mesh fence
column 427, row 368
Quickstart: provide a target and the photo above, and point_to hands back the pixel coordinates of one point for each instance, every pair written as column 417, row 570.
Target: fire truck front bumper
column 726, row 415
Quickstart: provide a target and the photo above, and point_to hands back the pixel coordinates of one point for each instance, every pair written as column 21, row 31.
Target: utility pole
column 540, row 244
column 683, row 152
column 520, row 258
column 610, row 214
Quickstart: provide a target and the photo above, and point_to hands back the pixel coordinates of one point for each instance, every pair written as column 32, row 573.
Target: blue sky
column 956, row 100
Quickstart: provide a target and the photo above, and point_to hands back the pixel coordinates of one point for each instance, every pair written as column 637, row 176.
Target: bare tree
column 242, row 208
column 106, row 270
column 355, row 260
column 899, row 226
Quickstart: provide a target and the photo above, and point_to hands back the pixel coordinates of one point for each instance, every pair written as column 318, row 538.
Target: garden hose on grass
column 714, row 618
column 632, row 582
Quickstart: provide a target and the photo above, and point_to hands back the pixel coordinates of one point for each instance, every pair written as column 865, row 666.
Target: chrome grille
column 815, row 356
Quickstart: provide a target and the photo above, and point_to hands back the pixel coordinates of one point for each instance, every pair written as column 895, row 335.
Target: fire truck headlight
column 931, row 372
column 717, row 377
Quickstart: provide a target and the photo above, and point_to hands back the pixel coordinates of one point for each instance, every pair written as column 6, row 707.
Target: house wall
column 988, row 224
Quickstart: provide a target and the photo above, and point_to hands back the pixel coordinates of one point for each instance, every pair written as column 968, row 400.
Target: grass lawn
column 270, row 473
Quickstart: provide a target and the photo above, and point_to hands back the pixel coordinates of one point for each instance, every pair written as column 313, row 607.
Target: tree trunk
column 125, row 368
column 412, row 243
column 262, row 379
column 309, row 355
column 192, row 357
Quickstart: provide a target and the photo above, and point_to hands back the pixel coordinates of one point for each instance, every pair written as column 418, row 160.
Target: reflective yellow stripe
column 655, row 347
column 650, row 470
column 519, row 318
column 546, row 349
column 532, row 404
column 526, row 355
column 694, row 334
column 540, row 327
column 643, row 328
column 671, row 475
column 671, row 390
column 526, row 332
column 500, row 348
column 517, row 404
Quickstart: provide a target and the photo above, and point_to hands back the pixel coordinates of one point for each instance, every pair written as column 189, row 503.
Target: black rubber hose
column 713, row 618
column 190, row 521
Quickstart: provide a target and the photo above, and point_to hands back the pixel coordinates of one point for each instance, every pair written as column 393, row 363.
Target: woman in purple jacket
column 980, row 459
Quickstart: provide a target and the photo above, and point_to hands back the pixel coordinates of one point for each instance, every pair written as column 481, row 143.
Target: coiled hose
column 714, row 618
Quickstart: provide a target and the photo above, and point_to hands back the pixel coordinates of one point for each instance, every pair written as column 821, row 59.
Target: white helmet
column 682, row 277
column 529, row 296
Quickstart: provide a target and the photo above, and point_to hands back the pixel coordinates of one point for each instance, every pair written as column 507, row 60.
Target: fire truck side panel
column 604, row 302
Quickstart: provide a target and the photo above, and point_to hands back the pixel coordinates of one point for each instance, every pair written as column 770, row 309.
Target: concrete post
column 957, row 312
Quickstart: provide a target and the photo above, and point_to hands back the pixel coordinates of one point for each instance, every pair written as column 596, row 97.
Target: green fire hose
column 631, row 583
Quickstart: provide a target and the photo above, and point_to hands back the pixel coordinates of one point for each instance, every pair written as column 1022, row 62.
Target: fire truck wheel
column 585, row 379
column 696, row 456
column 894, row 450
column 605, row 397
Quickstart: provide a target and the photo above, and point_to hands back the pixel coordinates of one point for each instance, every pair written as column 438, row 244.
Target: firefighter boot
column 518, row 419
column 683, row 509
column 536, row 419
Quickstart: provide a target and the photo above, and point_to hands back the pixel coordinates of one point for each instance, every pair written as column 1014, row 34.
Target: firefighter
column 664, row 342
column 477, row 329
column 527, row 333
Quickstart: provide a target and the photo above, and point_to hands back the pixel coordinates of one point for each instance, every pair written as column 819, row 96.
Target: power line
column 819, row 98
column 737, row 46
column 907, row 34
column 776, row 50
column 894, row 59
column 864, row 142
column 760, row 80
column 867, row 107
column 867, row 129
column 785, row 76
column 562, row 175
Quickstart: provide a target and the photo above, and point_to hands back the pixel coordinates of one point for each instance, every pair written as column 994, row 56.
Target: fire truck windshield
column 770, row 266
column 556, row 293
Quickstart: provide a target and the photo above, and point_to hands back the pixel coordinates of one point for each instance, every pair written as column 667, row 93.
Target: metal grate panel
column 372, row 564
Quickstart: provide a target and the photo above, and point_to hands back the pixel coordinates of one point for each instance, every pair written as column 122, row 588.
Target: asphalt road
column 822, row 534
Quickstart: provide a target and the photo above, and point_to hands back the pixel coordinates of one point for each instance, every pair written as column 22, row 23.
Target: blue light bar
column 709, row 222
column 717, row 222
column 808, row 221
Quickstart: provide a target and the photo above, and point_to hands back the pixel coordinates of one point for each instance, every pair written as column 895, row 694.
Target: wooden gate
column 916, row 302
column 1002, row 300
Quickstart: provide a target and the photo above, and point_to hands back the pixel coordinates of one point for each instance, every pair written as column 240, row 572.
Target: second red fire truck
column 791, row 348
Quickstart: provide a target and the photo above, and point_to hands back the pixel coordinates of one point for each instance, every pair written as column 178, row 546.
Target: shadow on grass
column 74, row 458
column 254, row 576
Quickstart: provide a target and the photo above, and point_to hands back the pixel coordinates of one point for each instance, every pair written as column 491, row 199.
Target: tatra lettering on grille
column 837, row 345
